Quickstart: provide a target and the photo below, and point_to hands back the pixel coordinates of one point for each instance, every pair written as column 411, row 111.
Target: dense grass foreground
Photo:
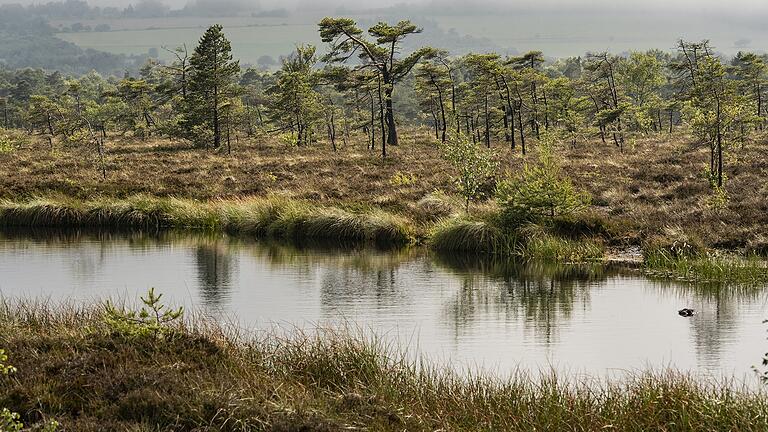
column 76, row 367
column 263, row 217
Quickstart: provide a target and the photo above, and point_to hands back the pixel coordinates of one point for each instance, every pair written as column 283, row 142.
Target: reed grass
column 205, row 376
column 548, row 247
column 707, row 267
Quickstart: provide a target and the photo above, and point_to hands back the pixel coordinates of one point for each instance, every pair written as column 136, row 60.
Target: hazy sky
column 660, row 6
column 557, row 27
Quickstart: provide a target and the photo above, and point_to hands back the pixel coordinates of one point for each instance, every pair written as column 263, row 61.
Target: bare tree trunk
column 383, row 128
column 390, row 116
column 487, row 124
column 522, row 129
column 671, row 118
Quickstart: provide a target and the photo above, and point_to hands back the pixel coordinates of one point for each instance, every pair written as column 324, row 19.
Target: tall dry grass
column 204, row 376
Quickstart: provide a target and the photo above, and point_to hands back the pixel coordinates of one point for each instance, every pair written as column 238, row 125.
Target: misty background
column 113, row 35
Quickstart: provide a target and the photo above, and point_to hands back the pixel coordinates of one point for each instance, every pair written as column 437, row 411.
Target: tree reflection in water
column 216, row 264
column 544, row 294
column 717, row 307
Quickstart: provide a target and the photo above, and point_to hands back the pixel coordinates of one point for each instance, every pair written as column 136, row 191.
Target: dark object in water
column 685, row 312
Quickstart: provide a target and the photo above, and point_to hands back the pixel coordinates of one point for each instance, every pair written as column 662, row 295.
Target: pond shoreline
column 299, row 221
column 78, row 368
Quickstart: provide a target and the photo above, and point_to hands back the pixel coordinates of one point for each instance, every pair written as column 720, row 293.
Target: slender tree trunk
column 442, row 112
column 671, row 119
column 5, row 115
column 506, row 123
column 466, row 127
column 719, row 159
column 487, row 123
column 216, row 126
column 520, row 122
column 512, row 126
column 373, row 122
column 332, row 130
column 229, row 132
column 383, row 128
column 661, row 125
column 390, row 115
column 759, row 107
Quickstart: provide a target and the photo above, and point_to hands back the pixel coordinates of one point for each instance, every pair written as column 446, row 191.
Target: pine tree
column 346, row 39
column 212, row 83
column 294, row 103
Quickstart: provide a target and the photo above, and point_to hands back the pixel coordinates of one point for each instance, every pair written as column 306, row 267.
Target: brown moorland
column 655, row 190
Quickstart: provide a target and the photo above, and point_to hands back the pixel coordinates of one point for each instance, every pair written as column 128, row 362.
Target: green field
column 253, row 37
column 249, row 41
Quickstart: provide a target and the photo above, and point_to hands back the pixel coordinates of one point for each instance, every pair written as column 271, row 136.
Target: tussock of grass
column 541, row 245
column 707, row 267
column 266, row 217
column 531, row 242
column 463, row 235
column 73, row 368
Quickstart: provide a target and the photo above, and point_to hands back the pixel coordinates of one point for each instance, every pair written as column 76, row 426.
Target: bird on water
column 685, row 312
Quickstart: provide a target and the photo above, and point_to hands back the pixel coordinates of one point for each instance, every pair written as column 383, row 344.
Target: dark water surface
column 500, row 315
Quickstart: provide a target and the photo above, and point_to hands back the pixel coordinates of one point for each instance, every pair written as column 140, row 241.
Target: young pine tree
column 212, row 83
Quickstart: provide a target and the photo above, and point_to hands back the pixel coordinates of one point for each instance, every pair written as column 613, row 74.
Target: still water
column 465, row 313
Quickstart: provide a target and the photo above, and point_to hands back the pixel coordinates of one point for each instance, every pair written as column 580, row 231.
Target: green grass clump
column 531, row 242
column 547, row 247
column 76, row 369
column 706, row 267
column 465, row 235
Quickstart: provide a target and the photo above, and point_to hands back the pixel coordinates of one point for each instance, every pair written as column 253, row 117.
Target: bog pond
column 466, row 312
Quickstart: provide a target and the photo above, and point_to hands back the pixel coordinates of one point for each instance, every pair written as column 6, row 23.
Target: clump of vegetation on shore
column 707, row 267
column 76, row 367
column 675, row 254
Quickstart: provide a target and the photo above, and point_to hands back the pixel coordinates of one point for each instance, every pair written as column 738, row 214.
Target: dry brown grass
column 77, row 368
column 656, row 187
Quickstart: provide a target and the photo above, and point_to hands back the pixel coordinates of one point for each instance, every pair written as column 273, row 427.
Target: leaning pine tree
column 212, row 85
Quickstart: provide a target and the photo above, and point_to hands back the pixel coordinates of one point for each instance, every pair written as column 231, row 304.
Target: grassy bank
column 275, row 217
column 77, row 368
column 262, row 217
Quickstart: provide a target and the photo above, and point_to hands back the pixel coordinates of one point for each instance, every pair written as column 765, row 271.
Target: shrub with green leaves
column 474, row 166
column 9, row 420
column 7, row 142
column 541, row 192
column 153, row 319
column 5, row 369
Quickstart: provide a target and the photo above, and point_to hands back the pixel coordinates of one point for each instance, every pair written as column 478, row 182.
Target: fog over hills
column 559, row 28
column 660, row 7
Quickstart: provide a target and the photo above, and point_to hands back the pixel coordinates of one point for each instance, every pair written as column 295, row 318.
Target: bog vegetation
column 507, row 127
column 92, row 368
